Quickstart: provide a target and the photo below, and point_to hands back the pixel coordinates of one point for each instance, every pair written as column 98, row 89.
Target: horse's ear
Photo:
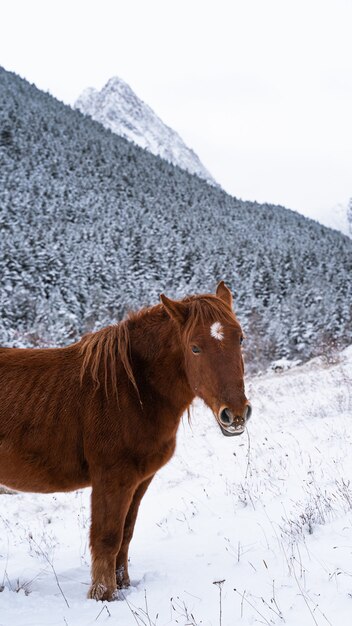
column 178, row 311
column 224, row 294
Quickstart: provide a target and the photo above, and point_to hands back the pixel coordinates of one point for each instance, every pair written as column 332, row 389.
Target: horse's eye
column 241, row 340
column 196, row 350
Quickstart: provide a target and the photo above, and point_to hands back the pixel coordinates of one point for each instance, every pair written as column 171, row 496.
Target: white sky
column 260, row 89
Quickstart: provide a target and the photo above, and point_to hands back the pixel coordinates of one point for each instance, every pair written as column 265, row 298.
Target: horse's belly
column 35, row 474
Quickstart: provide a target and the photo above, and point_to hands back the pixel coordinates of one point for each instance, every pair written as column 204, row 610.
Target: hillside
column 267, row 513
column 338, row 217
column 119, row 109
column 92, row 226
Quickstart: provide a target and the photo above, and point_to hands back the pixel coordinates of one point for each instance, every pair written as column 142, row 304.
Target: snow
column 339, row 217
column 284, row 364
column 269, row 513
column 119, row 109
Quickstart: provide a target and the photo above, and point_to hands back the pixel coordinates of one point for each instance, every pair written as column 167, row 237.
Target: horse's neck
column 156, row 344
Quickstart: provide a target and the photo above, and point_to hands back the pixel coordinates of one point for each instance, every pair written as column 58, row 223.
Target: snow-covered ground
column 255, row 529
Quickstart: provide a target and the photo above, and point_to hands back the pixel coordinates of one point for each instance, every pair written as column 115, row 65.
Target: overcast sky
column 260, row 89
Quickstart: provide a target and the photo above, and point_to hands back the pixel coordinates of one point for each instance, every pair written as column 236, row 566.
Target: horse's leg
column 111, row 500
column 122, row 577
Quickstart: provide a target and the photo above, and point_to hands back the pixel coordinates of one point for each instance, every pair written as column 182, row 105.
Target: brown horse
column 104, row 412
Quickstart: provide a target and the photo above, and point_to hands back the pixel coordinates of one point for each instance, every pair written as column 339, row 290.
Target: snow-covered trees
column 92, row 226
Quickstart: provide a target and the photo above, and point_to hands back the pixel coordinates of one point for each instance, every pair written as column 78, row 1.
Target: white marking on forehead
column 217, row 331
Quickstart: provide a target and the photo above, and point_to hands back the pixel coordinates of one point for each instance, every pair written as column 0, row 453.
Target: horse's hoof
column 98, row 591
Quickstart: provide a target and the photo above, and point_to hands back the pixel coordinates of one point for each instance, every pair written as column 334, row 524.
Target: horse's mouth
column 232, row 424
column 231, row 431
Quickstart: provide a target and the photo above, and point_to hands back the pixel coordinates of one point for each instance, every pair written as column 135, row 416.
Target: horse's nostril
column 247, row 412
column 226, row 417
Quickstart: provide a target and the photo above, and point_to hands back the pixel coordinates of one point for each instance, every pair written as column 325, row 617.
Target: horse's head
column 211, row 337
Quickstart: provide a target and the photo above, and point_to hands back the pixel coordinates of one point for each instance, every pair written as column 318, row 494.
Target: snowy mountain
column 339, row 218
column 93, row 226
column 268, row 514
column 118, row 108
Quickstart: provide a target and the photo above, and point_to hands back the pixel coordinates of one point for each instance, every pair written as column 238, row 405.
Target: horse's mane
column 102, row 349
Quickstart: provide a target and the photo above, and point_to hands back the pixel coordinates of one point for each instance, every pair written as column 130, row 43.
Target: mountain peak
column 118, row 108
column 117, row 84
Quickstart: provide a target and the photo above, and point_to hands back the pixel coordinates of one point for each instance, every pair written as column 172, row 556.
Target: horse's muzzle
column 231, row 424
